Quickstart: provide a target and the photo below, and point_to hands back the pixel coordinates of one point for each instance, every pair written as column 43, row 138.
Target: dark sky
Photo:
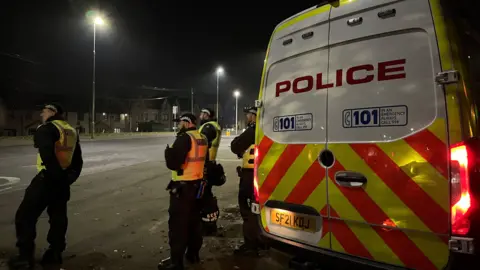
column 175, row 44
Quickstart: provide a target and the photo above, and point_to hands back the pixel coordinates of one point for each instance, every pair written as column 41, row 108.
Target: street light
column 219, row 73
column 236, row 94
column 97, row 21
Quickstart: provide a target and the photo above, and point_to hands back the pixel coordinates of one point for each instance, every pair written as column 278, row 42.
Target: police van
column 366, row 140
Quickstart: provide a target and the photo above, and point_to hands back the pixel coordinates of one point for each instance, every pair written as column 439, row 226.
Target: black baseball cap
column 55, row 107
column 250, row 110
column 187, row 117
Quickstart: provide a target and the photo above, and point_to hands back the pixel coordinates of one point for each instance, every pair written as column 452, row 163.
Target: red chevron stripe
column 432, row 149
column 404, row 187
column 284, row 162
column 398, row 242
column 307, row 184
column 345, row 236
column 325, row 221
column 262, row 149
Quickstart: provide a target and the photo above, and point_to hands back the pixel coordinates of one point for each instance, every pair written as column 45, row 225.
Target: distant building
column 136, row 115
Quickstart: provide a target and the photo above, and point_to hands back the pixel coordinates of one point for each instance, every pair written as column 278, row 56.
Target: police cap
column 250, row 110
column 187, row 117
column 54, row 107
column 208, row 111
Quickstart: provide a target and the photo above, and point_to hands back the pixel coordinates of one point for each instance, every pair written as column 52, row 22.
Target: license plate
column 293, row 220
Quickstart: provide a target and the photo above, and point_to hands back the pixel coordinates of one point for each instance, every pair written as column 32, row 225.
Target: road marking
column 5, row 189
column 156, row 225
column 10, row 180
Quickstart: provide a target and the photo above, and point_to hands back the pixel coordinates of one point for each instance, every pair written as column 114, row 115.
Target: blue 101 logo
column 284, row 123
column 361, row 118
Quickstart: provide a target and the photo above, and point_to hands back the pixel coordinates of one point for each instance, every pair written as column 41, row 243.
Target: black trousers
column 43, row 194
column 210, row 211
column 184, row 223
column 251, row 228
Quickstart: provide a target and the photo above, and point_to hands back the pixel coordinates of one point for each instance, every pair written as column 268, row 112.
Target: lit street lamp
column 236, row 94
column 219, row 73
column 96, row 21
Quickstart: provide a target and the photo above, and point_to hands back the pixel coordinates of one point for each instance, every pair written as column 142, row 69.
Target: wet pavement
column 118, row 211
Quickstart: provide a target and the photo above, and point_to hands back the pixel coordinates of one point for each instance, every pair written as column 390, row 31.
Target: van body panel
column 358, row 80
column 378, row 127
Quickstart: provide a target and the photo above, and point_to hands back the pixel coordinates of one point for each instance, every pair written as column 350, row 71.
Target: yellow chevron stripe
column 419, row 170
column 263, row 215
column 325, row 241
column 389, row 202
column 432, row 246
column 369, row 238
column 269, row 161
column 377, row 190
column 318, row 198
column 298, row 168
column 336, row 246
column 439, row 129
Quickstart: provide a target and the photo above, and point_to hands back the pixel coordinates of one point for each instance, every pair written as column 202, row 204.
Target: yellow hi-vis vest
column 193, row 166
column 64, row 147
column 213, row 150
column 249, row 157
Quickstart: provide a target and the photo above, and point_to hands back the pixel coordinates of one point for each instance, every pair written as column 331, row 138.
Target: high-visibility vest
column 64, row 147
column 193, row 166
column 213, row 150
column 249, row 157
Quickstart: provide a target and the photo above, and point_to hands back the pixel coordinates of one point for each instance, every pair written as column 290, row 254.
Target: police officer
column 244, row 146
column 213, row 132
column 186, row 159
column 59, row 163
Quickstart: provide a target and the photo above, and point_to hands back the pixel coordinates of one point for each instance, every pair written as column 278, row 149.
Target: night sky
column 173, row 44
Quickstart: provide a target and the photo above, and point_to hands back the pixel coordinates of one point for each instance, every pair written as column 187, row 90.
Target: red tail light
column 255, row 181
column 460, row 189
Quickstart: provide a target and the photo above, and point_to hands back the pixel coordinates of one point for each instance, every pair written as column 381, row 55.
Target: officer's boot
column 192, row 257
column 246, row 250
column 22, row 262
column 168, row 264
column 210, row 228
column 51, row 259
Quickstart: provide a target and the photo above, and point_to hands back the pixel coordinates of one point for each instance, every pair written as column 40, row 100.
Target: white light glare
column 99, row 21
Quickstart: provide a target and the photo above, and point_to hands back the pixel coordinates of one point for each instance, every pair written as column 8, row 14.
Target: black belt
column 188, row 182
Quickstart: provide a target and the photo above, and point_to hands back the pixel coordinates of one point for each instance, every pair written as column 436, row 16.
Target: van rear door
column 388, row 189
column 292, row 131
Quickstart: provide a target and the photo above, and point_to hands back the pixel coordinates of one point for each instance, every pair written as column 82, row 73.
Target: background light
column 99, row 21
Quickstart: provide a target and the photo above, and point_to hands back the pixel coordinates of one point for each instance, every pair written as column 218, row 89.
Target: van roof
column 296, row 15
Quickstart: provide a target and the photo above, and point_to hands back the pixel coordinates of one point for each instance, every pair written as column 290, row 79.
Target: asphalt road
column 118, row 211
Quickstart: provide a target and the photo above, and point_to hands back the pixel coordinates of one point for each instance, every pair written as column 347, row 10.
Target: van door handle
column 350, row 179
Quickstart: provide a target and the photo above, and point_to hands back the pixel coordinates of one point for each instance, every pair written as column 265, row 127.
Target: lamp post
column 97, row 21
column 236, row 94
column 219, row 73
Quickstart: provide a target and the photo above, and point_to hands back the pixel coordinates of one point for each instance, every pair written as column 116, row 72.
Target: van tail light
column 256, row 196
column 461, row 196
